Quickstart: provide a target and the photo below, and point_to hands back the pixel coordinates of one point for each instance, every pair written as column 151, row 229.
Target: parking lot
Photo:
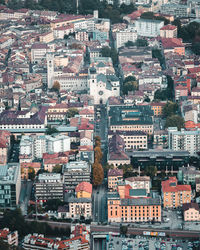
column 145, row 243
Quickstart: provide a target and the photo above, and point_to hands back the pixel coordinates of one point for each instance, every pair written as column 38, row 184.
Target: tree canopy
column 170, row 109
column 110, row 52
column 130, row 84
column 175, row 121
column 57, row 168
column 56, row 86
column 72, row 112
column 51, row 130
column 150, row 171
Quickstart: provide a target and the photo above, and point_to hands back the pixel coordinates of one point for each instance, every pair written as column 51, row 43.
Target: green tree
column 53, row 204
column 170, row 109
column 129, row 44
column 72, row 112
column 107, row 52
column 141, row 42
column 130, row 84
column 57, row 169
column 51, row 130
column 175, row 121
column 123, row 230
column 196, row 48
column 150, row 171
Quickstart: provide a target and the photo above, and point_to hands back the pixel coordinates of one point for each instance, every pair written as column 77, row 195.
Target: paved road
column 99, row 204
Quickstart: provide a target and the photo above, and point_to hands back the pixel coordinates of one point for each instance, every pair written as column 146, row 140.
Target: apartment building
column 177, row 10
column 123, row 36
column 35, row 146
column 139, row 182
column 81, row 35
column 188, row 175
column 11, row 238
column 132, row 139
column 191, row 212
column 184, row 140
column 115, row 176
column 74, row 173
column 38, row 52
column 10, row 185
column 168, row 31
column 46, row 37
column 49, row 186
column 157, row 108
column 80, row 207
column 148, row 27
column 57, row 143
column 175, row 195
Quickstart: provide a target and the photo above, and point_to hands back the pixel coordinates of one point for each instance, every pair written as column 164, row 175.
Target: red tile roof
column 169, row 27
column 169, row 43
column 84, row 186
column 170, row 185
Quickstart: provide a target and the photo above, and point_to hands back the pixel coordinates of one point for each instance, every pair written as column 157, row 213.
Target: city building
column 102, row 86
column 164, row 159
column 29, row 167
column 123, row 36
column 148, row 27
column 57, row 143
column 184, row 140
column 139, row 182
column 79, row 240
column 49, row 186
column 157, row 108
column 131, row 118
column 75, row 172
column 174, row 195
column 191, row 212
column 132, row 139
column 115, row 176
column 168, row 31
column 11, row 238
column 123, row 208
column 80, row 207
column 116, row 152
column 188, row 175
column 84, row 190
column 38, row 52
column 10, row 185
column 176, row 10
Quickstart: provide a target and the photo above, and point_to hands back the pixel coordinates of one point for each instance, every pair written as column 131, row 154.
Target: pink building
column 191, row 212
column 180, row 91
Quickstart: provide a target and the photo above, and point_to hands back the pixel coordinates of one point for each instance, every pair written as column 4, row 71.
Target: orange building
column 128, row 205
column 175, row 195
column 27, row 166
column 84, row 190
column 157, row 108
